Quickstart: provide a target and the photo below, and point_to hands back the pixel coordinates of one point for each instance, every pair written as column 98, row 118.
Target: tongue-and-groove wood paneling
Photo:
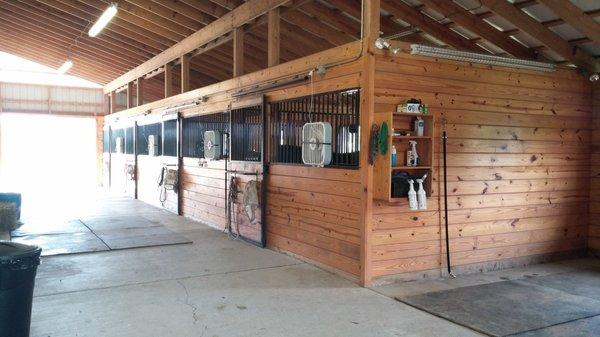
column 518, row 164
column 594, row 232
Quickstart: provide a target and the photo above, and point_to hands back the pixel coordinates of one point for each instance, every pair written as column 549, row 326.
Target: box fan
column 213, row 144
column 316, row 144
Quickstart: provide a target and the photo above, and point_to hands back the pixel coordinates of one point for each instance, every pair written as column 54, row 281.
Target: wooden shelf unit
column 383, row 169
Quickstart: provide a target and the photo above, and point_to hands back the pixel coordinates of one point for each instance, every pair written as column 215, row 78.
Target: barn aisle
column 213, row 287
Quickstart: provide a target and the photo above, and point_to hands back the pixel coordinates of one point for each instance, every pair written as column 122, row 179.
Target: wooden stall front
column 522, row 153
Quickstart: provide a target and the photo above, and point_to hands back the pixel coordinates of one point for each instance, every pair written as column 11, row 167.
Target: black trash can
column 18, row 266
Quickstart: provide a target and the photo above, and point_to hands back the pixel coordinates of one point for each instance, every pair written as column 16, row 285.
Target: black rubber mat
column 507, row 308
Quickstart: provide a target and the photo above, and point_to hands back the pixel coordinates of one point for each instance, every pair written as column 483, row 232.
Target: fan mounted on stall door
column 316, row 144
column 213, row 144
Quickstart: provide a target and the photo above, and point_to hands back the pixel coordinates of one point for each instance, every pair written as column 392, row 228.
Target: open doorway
column 51, row 161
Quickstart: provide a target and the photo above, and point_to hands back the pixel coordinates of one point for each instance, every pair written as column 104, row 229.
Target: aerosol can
column 412, row 158
column 412, row 196
column 421, row 196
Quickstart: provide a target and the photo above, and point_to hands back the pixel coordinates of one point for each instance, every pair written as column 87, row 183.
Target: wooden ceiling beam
column 273, row 38
column 575, row 17
column 471, row 22
column 333, row 17
column 77, row 24
column 211, row 9
column 228, row 22
column 58, row 46
column 123, row 27
column 534, row 28
column 416, row 18
column 147, row 20
column 39, row 53
column 317, row 28
column 164, row 11
column 188, row 10
column 62, row 36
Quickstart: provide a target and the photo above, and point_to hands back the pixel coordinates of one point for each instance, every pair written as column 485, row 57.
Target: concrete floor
column 213, row 287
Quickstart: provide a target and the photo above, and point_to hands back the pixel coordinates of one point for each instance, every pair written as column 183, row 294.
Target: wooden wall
column 314, row 213
column 594, row 232
column 203, row 194
column 518, row 164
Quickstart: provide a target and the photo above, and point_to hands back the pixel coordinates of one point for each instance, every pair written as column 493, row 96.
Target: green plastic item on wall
column 383, row 138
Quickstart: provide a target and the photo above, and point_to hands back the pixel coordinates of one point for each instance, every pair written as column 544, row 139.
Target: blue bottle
column 394, row 157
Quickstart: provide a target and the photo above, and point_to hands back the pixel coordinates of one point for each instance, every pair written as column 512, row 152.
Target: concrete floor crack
column 190, row 304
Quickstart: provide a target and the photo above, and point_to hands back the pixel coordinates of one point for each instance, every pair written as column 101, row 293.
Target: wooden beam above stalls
column 228, row 22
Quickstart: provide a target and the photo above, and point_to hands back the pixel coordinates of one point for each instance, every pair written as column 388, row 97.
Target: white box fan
column 153, row 145
column 213, row 144
column 316, row 144
column 119, row 145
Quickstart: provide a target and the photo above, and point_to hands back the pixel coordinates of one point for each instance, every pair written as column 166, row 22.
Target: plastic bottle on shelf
column 421, row 196
column 394, row 157
column 412, row 196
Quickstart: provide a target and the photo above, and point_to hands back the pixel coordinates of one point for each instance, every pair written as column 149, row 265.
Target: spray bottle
column 412, row 196
column 421, row 196
column 412, row 158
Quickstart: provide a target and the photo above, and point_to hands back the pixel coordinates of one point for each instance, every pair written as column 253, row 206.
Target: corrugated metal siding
column 16, row 97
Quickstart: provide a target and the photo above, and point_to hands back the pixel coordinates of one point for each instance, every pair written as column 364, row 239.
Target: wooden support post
column 129, row 95
column 140, row 91
column 367, row 111
column 168, row 80
column 273, row 40
column 238, row 52
column 185, row 73
column 113, row 102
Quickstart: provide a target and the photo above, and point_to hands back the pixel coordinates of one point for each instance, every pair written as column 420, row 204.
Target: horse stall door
column 106, row 158
column 169, row 176
column 118, row 162
column 130, row 162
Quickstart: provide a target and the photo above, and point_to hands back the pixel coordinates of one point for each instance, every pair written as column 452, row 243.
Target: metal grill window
column 246, row 134
column 129, row 140
column 170, row 138
column 116, row 133
column 193, row 132
column 339, row 108
column 142, row 137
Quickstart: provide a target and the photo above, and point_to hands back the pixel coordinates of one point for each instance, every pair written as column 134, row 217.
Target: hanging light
column 103, row 20
column 417, row 49
column 65, row 67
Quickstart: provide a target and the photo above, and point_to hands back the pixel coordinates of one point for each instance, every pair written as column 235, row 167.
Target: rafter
column 574, row 16
column 428, row 25
column 471, row 22
column 528, row 24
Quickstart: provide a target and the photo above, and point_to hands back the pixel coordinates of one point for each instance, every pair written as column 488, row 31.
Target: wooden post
column 367, row 111
column 185, row 73
column 129, row 95
column 238, row 52
column 113, row 102
column 168, row 80
column 140, row 91
column 273, row 40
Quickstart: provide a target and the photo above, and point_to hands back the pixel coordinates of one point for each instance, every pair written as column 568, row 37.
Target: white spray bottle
column 412, row 196
column 412, row 157
column 421, row 196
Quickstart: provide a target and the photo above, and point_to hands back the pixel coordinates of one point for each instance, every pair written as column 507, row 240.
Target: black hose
column 445, row 137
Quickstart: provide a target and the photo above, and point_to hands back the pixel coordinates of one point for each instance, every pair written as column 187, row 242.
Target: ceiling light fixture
column 65, row 67
column 383, row 43
column 594, row 77
column 417, row 49
column 103, row 20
